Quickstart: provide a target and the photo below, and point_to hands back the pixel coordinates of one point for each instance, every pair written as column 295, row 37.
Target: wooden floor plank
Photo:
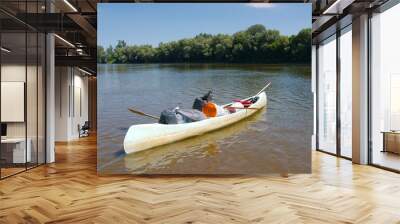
column 70, row 191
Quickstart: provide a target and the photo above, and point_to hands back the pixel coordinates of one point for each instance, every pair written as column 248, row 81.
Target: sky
column 152, row 23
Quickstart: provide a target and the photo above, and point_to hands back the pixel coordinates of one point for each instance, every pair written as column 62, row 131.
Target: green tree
column 101, row 55
column 110, row 55
column 300, row 46
column 256, row 44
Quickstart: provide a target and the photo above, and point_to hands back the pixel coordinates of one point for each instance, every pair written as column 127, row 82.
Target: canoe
column 146, row 136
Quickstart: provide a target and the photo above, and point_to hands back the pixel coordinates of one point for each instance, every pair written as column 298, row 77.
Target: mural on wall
column 204, row 88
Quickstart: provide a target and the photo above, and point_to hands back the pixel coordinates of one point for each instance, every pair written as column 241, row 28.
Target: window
column 22, row 88
column 327, row 95
column 346, row 92
column 385, row 89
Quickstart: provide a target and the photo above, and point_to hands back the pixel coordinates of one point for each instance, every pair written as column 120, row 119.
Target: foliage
column 253, row 45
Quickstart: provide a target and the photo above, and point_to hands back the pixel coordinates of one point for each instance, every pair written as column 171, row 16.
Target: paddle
column 243, row 108
column 142, row 113
column 264, row 88
column 157, row 118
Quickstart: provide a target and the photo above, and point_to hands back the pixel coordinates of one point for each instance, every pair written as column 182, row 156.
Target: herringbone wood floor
column 70, row 191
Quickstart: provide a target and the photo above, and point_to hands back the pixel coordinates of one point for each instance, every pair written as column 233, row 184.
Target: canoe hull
column 145, row 136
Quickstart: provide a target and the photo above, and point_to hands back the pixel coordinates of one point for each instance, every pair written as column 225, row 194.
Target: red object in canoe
column 246, row 103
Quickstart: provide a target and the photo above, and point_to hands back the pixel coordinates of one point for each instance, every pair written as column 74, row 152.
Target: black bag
column 168, row 117
column 208, row 96
column 200, row 101
column 198, row 104
column 191, row 115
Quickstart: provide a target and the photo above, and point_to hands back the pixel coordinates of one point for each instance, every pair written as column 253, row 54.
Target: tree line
column 256, row 44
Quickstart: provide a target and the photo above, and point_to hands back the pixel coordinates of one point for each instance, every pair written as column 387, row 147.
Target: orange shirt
column 210, row 109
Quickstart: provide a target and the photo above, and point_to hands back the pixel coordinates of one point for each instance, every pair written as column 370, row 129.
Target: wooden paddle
column 142, row 113
column 157, row 118
column 265, row 87
column 243, row 108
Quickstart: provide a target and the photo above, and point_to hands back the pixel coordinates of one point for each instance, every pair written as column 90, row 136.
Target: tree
column 120, row 44
column 300, row 46
column 256, row 44
column 254, row 29
column 110, row 55
column 221, row 46
column 101, row 55
column 242, row 47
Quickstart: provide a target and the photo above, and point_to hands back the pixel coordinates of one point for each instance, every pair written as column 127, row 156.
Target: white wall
column 62, row 82
column 71, row 87
column 80, row 110
column 13, row 73
column 33, row 127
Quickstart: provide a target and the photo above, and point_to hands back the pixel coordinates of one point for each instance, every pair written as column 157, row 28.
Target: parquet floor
column 70, row 191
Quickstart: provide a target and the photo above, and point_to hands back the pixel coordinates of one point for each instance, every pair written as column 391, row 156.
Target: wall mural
column 204, row 88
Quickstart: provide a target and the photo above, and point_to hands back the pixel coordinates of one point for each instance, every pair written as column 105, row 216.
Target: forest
column 256, row 44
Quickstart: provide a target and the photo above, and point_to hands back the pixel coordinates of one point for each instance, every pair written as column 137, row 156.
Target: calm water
column 275, row 140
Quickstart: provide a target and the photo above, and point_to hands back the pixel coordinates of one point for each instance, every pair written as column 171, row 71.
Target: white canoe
column 145, row 136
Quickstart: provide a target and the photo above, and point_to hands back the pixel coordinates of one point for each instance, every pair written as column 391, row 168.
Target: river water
column 275, row 140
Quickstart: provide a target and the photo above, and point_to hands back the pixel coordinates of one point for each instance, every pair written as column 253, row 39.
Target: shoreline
column 208, row 63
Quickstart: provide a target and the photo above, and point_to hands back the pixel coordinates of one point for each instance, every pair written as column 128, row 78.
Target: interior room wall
column 62, row 81
column 18, row 73
column 69, row 112
column 80, row 109
column 13, row 73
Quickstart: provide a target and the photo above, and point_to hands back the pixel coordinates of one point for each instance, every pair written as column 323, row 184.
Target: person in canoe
column 203, row 107
column 208, row 107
